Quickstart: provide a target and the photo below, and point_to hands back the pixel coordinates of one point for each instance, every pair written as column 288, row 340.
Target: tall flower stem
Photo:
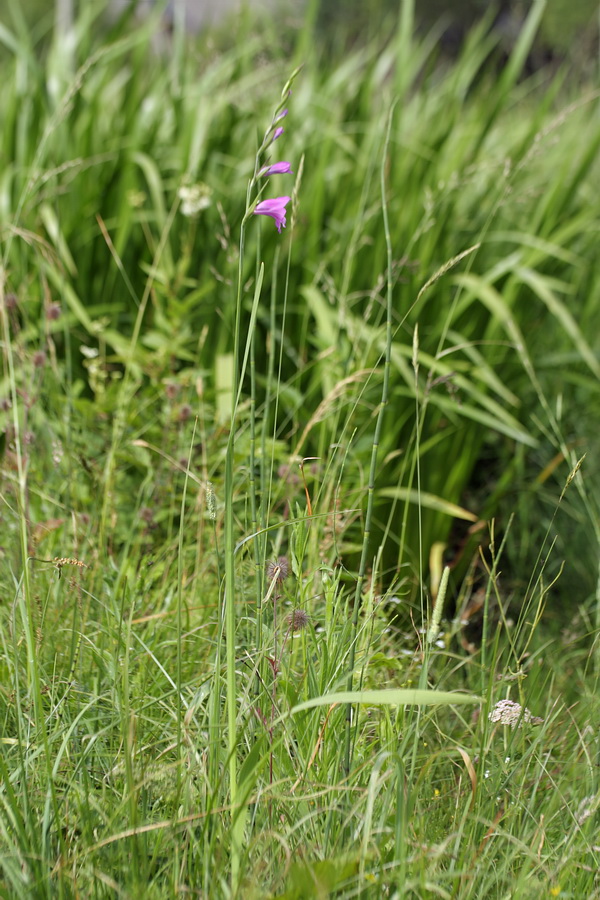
column 276, row 210
column 376, row 440
column 229, row 587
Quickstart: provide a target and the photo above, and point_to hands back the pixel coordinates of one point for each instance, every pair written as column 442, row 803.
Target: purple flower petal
column 277, row 133
column 274, row 208
column 280, row 168
column 281, row 115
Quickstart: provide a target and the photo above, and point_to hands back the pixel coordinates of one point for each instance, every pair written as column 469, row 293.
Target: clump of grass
column 163, row 393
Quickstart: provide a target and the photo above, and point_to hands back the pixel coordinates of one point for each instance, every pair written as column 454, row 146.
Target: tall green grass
column 229, row 465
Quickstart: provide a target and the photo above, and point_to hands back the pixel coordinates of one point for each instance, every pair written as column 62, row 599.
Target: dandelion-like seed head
column 278, row 569
column 298, row 620
column 508, row 712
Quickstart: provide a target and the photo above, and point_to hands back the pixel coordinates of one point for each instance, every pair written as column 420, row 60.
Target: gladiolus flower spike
column 274, row 208
column 280, row 168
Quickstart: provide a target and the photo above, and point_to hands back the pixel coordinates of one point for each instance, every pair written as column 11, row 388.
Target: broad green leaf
column 430, row 501
column 399, row 697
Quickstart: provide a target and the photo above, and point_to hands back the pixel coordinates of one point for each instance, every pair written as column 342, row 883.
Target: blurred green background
column 569, row 29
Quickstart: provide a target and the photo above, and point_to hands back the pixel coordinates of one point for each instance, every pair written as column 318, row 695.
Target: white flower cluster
column 194, row 198
column 507, row 712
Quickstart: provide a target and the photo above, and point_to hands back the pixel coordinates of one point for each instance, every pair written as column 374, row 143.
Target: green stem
column 376, row 439
column 229, row 598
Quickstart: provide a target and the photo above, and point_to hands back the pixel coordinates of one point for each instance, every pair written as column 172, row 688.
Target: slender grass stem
column 362, row 569
column 229, row 585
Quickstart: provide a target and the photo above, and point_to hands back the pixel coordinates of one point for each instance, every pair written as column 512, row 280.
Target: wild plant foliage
column 297, row 467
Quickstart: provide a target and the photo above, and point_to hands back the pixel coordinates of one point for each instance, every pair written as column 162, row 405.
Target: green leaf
column 430, row 501
column 394, row 697
column 316, row 880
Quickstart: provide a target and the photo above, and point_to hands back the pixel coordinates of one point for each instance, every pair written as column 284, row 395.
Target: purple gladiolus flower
column 274, row 208
column 281, row 115
column 277, row 133
column 280, row 168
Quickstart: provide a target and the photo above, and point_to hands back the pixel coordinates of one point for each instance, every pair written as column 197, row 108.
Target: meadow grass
column 286, row 516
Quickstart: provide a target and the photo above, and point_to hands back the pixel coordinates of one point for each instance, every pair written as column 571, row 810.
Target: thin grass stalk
column 31, row 839
column 214, row 719
column 126, row 394
column 405, row 45
column 265, row 484
column 419, row 421
column 180, row 713
column 25, row 596
column 229, row 586
column 492, row 577
column 254, row 503
column 252, row 487
column 376, row 439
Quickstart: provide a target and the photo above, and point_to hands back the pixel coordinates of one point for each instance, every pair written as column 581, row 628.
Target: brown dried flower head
column 171, row 390
column 278, row 569
column 298, row 620
column 60, row 561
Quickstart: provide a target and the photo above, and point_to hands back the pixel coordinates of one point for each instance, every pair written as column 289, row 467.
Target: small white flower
column 136, row 199
column 194, row 198
column 57, row 452
column 507, row 712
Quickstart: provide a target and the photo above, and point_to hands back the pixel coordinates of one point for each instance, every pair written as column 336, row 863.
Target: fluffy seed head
column 211, row 501
column 298, row 619
column 278, row 569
